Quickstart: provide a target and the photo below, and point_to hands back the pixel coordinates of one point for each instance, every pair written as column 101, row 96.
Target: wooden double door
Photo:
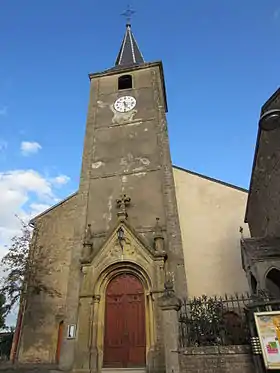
column 125, row 331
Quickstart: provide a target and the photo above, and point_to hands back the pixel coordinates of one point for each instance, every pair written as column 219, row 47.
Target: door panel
column 136, row 326
column 125, row 339
column 114, row 347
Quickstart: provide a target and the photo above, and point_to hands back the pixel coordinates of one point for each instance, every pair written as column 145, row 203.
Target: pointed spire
column 129, row 53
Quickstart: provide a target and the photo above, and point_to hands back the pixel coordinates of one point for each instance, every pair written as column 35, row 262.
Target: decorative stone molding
column 87, row 249
column 122, row 203
column 169, row 300
column 133, row 256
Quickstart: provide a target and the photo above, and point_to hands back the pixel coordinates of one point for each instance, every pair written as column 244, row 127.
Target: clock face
column 124, row 104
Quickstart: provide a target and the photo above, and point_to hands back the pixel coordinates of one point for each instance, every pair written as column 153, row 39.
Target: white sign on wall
column 71, row 331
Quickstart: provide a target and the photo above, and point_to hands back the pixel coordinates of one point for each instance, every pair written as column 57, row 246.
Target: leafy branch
column 25, row 266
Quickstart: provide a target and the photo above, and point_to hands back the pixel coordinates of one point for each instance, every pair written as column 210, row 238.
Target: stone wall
column 43, row 313
column 216, row 359
column 263, row 202
column 217, row 210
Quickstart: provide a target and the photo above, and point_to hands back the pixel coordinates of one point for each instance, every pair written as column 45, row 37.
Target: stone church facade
column 136, row 225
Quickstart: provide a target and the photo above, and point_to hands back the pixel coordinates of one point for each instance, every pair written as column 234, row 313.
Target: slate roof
column 129, row 53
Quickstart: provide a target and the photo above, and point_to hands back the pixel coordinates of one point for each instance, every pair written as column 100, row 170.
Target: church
column 138, row 223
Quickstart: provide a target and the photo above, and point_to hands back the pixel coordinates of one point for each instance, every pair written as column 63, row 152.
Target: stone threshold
column 124, row 370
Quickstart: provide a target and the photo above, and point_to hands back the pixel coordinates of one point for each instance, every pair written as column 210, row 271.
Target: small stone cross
column 122, row 204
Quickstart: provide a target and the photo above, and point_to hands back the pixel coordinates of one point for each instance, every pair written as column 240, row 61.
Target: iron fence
column 210, row 321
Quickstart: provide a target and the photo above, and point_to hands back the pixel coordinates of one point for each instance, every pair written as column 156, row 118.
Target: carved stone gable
column 122, row 245
column 125, row 248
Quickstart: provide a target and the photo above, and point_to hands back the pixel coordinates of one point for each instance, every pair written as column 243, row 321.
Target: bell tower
column 127, row 233
column 126, row 151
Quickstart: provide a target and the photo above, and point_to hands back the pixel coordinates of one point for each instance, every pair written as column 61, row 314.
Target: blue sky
column 221, row 62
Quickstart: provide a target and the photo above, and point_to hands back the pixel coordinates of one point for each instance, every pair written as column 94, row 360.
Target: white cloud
column 25, row 181
column 37, row 208
column 61, row 180
column 3, row 111
column 25, row 193
column 28, row 147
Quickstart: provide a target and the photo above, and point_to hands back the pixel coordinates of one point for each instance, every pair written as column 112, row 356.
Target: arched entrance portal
column 125, row 339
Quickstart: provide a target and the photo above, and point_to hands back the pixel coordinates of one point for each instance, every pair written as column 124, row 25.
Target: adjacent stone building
column 136, row 224
column 261, row 252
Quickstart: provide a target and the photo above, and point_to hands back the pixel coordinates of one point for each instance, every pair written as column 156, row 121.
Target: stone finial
column 169, row 282
column 169, row 300
column 122, row 203
column 88, row 235
column 87, row 245
column 158, row 237
column 158, row 229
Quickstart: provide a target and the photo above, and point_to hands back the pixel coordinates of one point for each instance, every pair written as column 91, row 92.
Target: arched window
column 125, row 82
column 272, row 282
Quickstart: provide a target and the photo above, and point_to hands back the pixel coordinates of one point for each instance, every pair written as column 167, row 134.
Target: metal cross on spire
column 128, row 14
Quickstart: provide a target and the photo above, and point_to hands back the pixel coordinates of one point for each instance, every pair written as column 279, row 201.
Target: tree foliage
column 25, row 267
column 203, row 321
column 206, row 317
column 3, row 311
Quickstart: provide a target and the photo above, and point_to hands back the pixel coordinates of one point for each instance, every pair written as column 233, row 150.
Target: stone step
column 124, row 370
column 8, row 367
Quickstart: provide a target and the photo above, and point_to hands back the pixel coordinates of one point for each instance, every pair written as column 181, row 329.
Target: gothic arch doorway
column 125, row 330
column 272, row 282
